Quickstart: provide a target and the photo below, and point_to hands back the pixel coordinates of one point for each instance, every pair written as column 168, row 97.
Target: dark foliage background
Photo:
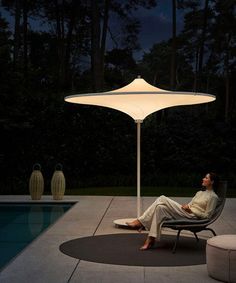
column 90, row 46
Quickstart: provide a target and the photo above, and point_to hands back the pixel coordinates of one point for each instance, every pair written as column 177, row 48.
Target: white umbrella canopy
column 138, row 100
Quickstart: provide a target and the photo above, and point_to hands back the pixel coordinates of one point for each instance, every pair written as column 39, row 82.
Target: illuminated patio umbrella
column 138, row 100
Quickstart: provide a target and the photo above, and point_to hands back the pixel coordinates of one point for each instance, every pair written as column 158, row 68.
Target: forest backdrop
column 91, row 46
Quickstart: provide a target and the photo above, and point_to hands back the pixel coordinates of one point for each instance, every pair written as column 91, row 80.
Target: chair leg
column 195, row 234
column 176, row 242
column 209, row 229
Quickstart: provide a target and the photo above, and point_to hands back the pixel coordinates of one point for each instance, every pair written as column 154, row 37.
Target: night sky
column 155, row 25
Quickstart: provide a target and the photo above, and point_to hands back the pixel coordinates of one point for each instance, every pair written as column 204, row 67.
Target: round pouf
column 221, row 257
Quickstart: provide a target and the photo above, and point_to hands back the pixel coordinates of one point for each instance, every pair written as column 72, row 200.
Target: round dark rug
column 123, row 249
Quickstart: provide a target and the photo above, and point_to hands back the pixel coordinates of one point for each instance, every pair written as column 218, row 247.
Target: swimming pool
column 20, row 224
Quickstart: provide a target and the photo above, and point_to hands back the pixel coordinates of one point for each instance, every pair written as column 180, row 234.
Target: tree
column 17, row 31
column 173, row 48
column 177, row 4
column 223, row 48
column 202, row 41
column 100, row 11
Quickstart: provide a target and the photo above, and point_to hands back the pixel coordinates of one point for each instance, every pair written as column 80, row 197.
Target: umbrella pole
column 138, row 166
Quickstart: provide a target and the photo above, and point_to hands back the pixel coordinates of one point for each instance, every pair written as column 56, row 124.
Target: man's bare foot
column 135, row 224
column 150, row 241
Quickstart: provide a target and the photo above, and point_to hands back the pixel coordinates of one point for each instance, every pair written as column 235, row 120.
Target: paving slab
column 107, row 273
column 193, row 274
column 42, row 260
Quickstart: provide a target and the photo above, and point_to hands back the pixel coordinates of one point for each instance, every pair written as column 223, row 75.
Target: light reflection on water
column 20, row 224
column 56, row 212
column 35, row 220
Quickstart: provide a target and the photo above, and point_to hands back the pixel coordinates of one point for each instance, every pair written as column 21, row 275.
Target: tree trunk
column 103, row 40
column 227, row 84
column 59, row 35
column 202, row 43
column 173, row 48
column 95, row 47
column 17, row 32
column 67, row 76
column 25, row 40
column 195, row 83
column 62, row 44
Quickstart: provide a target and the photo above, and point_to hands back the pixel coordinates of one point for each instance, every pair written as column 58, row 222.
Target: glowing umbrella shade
column 138, row 100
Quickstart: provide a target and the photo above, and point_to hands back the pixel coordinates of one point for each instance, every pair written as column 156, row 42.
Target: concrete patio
column 43, row 262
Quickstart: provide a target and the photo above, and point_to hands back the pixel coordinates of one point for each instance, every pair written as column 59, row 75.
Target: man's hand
column 186, row 208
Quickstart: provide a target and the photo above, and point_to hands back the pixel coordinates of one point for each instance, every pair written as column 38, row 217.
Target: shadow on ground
column 123, row 249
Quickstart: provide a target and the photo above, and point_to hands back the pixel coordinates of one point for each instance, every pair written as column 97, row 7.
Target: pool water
column 20, row 224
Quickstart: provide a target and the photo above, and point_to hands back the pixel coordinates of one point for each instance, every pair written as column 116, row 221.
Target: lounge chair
column 198, row 225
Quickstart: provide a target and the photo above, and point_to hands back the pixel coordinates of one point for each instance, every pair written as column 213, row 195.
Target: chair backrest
column 222, row 188
column 221, row 192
